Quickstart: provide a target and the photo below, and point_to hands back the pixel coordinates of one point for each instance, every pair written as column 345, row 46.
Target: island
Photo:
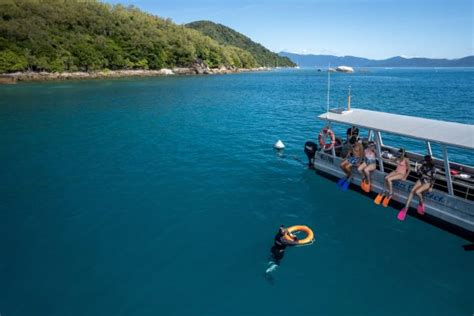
column 75, row 40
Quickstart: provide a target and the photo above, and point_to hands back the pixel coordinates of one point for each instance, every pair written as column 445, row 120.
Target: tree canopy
column 227, row 36
column 58, row 35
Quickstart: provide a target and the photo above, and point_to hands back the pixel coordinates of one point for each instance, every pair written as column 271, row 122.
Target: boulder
column 183, row 71
column 6, row 79
column 200, row 67
column 166, row 72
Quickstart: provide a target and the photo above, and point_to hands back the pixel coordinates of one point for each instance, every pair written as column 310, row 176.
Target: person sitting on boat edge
column 426, row 173
column 280, row 244
column 367, row 166
column 400, row 173
column 342, row 149
column 353, row 159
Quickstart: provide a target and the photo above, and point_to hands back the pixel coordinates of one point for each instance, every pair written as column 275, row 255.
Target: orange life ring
column 309, row 234
column 325, row 132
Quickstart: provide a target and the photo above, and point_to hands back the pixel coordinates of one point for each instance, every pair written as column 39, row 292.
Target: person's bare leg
column 343, row 166
column 361, row 171
column 385, row 185
column 368, row 170
column 420, row 190
column 349, row 170
column 395, row 177
column 412, row 193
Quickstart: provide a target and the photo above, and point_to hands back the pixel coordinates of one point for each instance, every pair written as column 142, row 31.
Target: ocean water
column 161, row 196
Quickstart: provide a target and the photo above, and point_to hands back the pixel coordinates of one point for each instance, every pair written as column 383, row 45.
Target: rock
column 200, row 67
column 165, row 72
column 8, row 79
column 197, row 68
column 183, row 71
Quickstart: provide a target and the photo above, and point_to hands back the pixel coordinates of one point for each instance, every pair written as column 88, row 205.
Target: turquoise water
column 161, row 196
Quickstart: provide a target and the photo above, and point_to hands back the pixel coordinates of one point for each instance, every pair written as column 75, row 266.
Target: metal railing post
column 428, row 149
column 378, row 141
column 369, row 137
column 447, row 170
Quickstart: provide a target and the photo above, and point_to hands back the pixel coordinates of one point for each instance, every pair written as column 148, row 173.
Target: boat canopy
column 448, row 133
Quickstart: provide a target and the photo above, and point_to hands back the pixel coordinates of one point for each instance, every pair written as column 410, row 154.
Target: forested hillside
column 227, row 36
column 56, row 35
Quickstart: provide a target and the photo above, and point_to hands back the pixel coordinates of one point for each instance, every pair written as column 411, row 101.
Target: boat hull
column 451, row 209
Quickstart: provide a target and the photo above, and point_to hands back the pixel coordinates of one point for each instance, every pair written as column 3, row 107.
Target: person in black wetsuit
column 352, row 131
column 278, row 249
column 426, row 172
column 310, row 149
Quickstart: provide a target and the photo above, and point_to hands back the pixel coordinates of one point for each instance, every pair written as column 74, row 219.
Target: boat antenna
column 329, row 88
column 349, row 100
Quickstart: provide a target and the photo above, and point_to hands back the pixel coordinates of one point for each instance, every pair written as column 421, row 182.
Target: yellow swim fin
column 386, row 201
column 379, row 198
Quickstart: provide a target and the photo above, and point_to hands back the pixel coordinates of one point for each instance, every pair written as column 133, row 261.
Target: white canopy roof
column 449, row 133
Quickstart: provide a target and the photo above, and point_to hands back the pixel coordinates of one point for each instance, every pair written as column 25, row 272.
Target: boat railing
column 463, row 188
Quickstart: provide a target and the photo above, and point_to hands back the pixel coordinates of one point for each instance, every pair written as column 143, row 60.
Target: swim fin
column 365, row 186
column 271, row 268
column 420, row 209
column 341, row 182
column 386, row 201
column 401, row 215
column 379, row 198
column 345, row 185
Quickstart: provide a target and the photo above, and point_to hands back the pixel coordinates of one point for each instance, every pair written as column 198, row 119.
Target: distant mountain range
column 334, row 61
column 226, row 36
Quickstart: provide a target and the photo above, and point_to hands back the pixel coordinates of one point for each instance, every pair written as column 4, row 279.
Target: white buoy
column 279, row 145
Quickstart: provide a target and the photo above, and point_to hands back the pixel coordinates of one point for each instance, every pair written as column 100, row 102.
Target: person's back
column 278, row 242
column 352, row 131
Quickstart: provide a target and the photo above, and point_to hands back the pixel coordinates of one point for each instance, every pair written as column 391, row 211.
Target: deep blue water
column 161, row 196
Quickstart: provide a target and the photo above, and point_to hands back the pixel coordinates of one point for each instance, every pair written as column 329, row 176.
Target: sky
column 376, row 29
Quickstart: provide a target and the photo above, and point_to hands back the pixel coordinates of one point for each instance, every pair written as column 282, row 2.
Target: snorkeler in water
column 280, row 243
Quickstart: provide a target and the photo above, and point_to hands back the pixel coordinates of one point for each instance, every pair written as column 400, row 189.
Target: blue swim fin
column 271, row 268
column 345, row 186
column 341, row 182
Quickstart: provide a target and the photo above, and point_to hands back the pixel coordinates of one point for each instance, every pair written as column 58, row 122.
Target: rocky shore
column 198, row 69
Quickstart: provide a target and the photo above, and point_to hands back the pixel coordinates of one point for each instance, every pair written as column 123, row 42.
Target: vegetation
column 227, row 36
column 58, row 35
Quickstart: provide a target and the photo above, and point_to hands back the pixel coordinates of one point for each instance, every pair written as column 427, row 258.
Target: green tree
column 11, row 61
column 58, row 35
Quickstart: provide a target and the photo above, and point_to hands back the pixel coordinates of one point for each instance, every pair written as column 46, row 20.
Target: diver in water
column 310, row 149
column 280, row 243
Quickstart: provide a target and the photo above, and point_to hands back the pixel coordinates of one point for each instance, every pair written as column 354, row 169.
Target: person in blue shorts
column 354, row 158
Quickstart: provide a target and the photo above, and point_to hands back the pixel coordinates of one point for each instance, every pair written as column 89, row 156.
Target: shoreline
column 12, row 78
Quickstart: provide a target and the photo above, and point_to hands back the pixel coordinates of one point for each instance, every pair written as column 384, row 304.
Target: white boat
column 345, row 69
column 452, row 198
column 451, row 202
